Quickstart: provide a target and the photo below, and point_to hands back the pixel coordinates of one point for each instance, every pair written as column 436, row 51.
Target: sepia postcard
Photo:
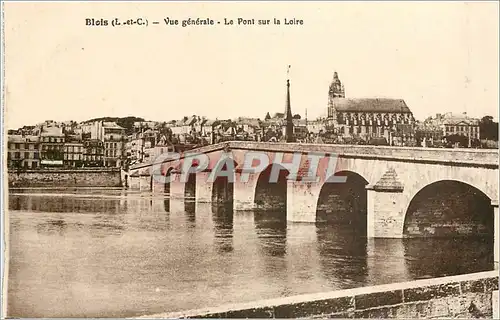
column 250, row 159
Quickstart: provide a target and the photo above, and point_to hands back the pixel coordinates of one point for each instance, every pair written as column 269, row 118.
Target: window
column 26, row 155
column 16, row 146
column 34, row 165
column 17, row 155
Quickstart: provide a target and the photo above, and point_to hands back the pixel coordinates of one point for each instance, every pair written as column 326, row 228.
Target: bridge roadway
column 392, row 192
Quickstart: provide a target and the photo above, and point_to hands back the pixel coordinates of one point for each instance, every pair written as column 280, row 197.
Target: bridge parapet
column 480, row 156
column 469, row 157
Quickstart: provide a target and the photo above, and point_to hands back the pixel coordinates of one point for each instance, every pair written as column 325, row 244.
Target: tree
column 268, row 116
column 461, row 140
column 488, row 129
column 297, row 116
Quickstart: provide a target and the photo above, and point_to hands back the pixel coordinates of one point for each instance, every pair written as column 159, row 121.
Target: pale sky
column 438, row 57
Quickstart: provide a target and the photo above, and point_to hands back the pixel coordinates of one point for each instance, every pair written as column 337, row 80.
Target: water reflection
column 166, row 204
column 56, row 225
column 190, row 209
column 342, row 254
column 126, row 255
column 65, row 204
column 270, row 227
column 106, row 225
column 222, row 217
column 425, row 258
column 385, row 260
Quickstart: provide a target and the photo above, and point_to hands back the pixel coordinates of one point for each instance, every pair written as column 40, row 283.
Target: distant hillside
column 125, row 122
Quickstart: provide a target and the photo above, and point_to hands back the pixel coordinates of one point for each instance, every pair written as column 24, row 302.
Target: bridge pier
column 176, row 187
column 244, row 192
column 145, row 182
column 385, row 216
column 134, row 181
column 203, row 187
column 301, row 201
column 158, row 184
column 496, row 234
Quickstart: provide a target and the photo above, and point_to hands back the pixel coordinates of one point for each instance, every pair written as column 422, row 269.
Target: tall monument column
column 289, row 118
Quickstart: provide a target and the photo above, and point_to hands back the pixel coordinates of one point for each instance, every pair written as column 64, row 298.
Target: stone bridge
column 389, row 192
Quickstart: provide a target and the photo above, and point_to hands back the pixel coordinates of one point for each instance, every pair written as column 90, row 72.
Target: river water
column 116, row 253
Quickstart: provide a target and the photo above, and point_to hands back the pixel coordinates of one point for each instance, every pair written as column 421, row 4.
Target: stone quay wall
column 465, row 296
column 65, row 178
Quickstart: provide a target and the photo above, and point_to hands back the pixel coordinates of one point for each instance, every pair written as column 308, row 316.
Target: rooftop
column 20, row 139
column 385, row 105
column 111, row 125
column 52, row 132
column 452, row 119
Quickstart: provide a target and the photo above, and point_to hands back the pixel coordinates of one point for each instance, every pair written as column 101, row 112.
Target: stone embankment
column 465, row 296
column 108, row 177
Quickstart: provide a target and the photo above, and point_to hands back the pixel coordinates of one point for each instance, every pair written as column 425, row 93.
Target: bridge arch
column 343, row 203
column 168, row 178
column 271, row 195
column 449, row 207
column 223, row 185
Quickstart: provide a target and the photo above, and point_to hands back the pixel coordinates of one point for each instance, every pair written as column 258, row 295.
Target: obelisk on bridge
column 288, row 112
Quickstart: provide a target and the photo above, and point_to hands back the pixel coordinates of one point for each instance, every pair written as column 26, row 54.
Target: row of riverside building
column 67, row 144
column 380, row 121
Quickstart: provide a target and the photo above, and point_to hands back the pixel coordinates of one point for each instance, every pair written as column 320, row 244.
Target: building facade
column 23, row 152
column 52, row 141
column 93, row 153
column 73, row 154
column 369, row 118
column 450, row 124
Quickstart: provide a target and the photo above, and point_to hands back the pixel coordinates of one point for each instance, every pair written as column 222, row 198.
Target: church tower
column 336, row 91
column 336, row 87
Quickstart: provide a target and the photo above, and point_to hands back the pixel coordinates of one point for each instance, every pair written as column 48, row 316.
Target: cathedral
column 368, row 119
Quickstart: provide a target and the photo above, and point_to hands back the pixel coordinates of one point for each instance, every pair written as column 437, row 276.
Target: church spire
column 288, row 112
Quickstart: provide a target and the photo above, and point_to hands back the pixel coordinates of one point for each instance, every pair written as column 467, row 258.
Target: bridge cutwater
column 390, row 192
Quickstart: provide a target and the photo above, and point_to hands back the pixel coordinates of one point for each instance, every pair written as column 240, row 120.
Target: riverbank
column 92, row 177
